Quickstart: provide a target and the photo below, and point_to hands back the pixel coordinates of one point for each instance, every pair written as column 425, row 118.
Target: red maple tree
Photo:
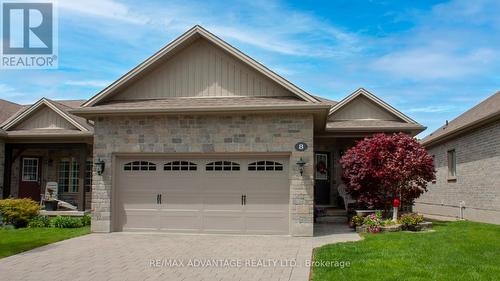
column 384, row 167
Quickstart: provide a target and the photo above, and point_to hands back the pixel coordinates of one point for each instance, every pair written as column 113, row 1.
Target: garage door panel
column 267, row 223
column 201, row 200
column 223, row 222
column 140, row 220
column 180, row 220
column 222, row 202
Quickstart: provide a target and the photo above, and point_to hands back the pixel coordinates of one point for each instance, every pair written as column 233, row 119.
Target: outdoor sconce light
column 301, row 163
column 99, row 166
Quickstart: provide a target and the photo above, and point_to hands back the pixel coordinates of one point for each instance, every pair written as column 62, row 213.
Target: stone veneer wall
column 2, row 165
column 478, row 177
column 206, row 134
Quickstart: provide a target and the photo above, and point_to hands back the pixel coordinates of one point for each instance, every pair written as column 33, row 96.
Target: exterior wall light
column 301, row 163
column 99, row 166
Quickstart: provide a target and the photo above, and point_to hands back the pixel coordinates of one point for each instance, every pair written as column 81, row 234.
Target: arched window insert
column 139, row 166
column 222, row 166
column 265, row 166
column 179, row 166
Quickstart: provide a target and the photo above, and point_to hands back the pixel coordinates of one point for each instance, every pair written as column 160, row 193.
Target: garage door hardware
column 158, row 198
column 243, row 199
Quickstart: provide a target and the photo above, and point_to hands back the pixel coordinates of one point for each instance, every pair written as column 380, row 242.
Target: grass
column 13, row 241
column 453, row 251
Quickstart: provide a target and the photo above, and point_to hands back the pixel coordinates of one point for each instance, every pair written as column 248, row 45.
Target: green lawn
column 13, row 241
column 454, row 251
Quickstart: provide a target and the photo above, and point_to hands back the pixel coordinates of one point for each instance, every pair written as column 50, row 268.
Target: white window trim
column 37, row 169
column 71, row 189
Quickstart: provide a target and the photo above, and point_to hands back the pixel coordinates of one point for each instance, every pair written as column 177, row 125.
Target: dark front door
column 321, row 179
column 29, row 184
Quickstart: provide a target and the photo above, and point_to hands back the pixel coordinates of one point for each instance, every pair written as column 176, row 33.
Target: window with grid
column 68, row 170
column 180, row 166
column 139, row 166
column 222, row 166
column 265, row 166
column 88, row 176
column 30, row 169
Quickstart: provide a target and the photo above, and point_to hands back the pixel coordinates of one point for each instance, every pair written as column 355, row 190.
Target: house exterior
column 201, row 138
column 466, row 154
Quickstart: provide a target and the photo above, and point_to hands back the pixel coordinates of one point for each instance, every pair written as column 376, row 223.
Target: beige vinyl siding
column 362, row 108
column 202, row 70
column 45, row 118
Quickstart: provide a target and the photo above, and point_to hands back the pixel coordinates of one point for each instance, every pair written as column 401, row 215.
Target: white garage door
column 202, row 195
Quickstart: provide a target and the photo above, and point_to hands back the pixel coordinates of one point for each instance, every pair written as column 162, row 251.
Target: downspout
column 462, row 208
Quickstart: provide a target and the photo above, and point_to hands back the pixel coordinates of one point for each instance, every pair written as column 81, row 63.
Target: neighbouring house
column 198, row 138
column 466, row 154
column 44, row 143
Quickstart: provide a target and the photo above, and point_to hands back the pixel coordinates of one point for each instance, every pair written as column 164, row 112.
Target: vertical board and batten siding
column 45, row 118
column 202, row 70
column 362, row 108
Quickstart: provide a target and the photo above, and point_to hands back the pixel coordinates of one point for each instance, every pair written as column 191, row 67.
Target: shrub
column 357, row 220
column 86, row 220
column 67, row 222
column 410, row 220
column 18, row 211
column 39, row 221
column 388, row 222
column 373, row 222
column 378, row 169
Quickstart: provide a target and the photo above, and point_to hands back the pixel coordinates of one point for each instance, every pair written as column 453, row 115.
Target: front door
column 321, row 178
column 29, row 185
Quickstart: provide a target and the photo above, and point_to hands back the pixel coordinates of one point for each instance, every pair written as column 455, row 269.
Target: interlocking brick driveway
column 124, row 256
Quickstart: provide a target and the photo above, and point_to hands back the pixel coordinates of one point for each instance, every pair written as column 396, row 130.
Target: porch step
column 336, row 219
column 335, row 212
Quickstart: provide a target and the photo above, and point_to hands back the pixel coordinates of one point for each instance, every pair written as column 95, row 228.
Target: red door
column 29, row 185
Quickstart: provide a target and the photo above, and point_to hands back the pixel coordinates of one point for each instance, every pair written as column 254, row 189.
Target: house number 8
column 301, row 146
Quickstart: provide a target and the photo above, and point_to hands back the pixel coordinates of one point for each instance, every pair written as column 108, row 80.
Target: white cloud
column 88, row 83
column 7, row 92
column 108, row 9
column 432, row 109
column 434, row 63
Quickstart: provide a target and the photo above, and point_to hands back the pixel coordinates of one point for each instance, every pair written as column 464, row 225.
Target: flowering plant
column 373, row 222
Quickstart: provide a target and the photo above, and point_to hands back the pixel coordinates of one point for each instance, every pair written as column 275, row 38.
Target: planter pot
column 391, row 228
column 51, row 205
column 361, row 229
column 421, row 226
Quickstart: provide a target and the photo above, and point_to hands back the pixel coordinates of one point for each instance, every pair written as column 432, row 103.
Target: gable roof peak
column 180, row 43
column 54, row 106
column 364, row 92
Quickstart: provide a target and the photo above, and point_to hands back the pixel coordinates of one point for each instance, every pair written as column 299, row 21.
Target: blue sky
column 430, row 59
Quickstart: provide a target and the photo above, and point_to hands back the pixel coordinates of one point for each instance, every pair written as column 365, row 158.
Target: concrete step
column 335, row 212
column 338, row 219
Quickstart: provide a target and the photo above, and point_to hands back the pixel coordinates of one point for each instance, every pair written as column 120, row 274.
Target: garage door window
column 265, row 166
column 223, row 166
column 139, row 166
column 180, row 166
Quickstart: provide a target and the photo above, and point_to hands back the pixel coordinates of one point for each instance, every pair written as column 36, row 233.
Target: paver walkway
column 125, row 256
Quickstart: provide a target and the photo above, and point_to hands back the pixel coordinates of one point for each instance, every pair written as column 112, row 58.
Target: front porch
column 67, row 167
